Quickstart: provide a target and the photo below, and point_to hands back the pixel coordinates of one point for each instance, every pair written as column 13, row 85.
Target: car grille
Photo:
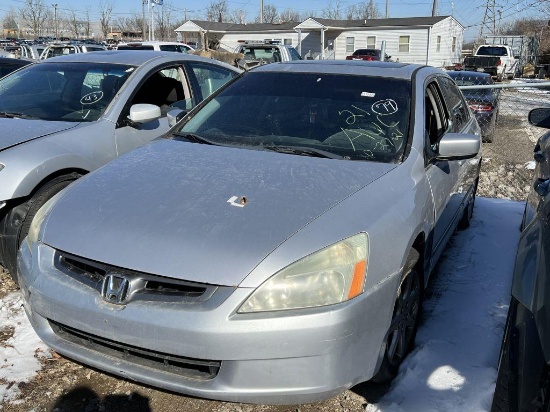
column 186, row 367
column 143, row 286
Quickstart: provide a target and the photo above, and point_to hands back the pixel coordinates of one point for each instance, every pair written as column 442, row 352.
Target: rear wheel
column 403, row 326
column 464, row 221
column 15, row 225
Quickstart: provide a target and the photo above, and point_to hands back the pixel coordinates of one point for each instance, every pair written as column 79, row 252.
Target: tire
column 503, row 399
column 464, row 221
column 403, row 326
column 15, row 225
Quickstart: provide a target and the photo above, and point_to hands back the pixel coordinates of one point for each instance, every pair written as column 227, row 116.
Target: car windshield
column 367, row 52
column 77, row 92
column 342, row 116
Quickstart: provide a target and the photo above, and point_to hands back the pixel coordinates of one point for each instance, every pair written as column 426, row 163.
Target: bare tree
column 105, row 11
column 237, row 16
column 34, row 13
column 124, row 24
column 87, row 22
column 291, row 15
column 333, row 10
column 271, row 15
column 74, row 23
column 363, row 11
column 164, row 24
column 217, row 11
column 10, row 23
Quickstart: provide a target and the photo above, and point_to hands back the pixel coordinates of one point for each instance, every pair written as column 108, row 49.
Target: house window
column 438, row 43
column 371, row 42
column 404, row 44
column 350, row 44
column 288, row 42
column 454, row 44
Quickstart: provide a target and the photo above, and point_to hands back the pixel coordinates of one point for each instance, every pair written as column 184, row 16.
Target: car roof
column 152, row 42
column 348, row 67
column 130, row 57
column 466, row 73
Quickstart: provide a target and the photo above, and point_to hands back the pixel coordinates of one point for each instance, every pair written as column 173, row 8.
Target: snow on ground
column 19, row 354
column 453, row 367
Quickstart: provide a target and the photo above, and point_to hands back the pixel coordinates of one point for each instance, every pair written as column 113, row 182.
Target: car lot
column 348, row 400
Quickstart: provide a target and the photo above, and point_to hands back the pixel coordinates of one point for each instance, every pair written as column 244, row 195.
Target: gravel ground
column 64, row 386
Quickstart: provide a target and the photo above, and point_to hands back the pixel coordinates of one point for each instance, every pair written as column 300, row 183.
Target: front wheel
column 403, row 326
column 14, row 227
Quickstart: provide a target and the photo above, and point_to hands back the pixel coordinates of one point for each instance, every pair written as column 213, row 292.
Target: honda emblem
column 115, row 288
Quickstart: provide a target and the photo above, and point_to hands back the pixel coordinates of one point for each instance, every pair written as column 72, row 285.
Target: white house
column 436, row 41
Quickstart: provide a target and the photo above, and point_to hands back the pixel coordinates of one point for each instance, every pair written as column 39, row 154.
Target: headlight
column 38, row 219
column 332, row 275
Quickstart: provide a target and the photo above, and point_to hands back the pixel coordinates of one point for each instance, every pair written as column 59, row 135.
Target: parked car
column 156, row 45
column 483, row 102
column 496, row 59
column 368, row 55
column 258, row 53
column 64, row 48
column 523, row 382
column 69, row 115
column 274, row 247
column 8, row 65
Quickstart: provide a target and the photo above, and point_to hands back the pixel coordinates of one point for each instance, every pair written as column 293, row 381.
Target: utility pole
column 261, row 11
column 143, row 22
column 387, row 9
column 488, row 23
column 434, row 9
column 55, row 19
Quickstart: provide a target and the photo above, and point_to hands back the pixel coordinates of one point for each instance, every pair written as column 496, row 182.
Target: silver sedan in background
column 66, row 116
column 274, row 248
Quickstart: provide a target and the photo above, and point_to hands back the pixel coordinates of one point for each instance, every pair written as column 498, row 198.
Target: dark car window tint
column 456, row 106
column 357, row 117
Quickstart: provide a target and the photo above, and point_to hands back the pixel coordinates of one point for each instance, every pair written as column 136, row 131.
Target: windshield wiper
column 13, row 115
column 195, row 138
column 303, row 151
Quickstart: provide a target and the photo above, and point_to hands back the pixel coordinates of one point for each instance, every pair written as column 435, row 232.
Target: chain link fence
column 493, row 102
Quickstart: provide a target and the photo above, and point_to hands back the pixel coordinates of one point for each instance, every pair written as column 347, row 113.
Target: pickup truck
column 497, row 60
column 256, row 54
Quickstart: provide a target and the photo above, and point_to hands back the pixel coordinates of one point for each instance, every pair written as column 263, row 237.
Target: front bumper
column 289, row 357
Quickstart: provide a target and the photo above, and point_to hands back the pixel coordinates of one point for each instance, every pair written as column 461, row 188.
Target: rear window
column 136, row 47
column 492, row 51
column 366, row 52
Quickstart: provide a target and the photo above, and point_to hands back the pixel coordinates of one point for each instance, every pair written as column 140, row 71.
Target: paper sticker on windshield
column 92, row 97
column 367, row 94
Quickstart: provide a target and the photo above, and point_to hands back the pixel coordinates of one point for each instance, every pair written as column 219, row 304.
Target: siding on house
column 423, row 34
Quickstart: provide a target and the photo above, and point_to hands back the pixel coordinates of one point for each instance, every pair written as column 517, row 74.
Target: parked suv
column 64, row 48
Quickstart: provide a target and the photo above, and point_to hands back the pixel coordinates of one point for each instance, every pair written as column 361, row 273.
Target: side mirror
column 540, row 117
column 144, row 113
column 457, row 146
column 174, row 116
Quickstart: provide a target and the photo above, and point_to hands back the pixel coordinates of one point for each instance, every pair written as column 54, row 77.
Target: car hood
column 166, row 208
column 16, row 131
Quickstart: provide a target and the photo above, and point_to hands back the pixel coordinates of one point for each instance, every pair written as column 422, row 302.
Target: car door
column 446, row 177
column 175, row 86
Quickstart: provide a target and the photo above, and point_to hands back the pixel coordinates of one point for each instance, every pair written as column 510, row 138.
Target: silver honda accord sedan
column 274, row 247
